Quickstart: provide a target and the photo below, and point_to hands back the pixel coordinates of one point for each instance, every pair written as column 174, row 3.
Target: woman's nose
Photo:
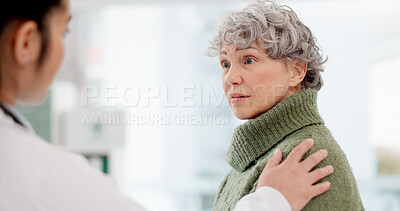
column 234, row 76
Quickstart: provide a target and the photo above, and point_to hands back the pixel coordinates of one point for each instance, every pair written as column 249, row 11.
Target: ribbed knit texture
column 285, row 126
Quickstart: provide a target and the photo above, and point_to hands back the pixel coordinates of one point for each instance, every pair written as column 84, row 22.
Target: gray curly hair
column 278, row 30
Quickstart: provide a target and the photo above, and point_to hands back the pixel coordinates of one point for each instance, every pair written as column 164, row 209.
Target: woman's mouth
column 237, row 97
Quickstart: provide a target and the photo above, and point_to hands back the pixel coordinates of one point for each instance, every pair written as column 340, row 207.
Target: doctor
column 36, row 176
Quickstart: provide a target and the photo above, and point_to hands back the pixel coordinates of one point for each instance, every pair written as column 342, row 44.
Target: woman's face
column 35, row 90
column 253, row 82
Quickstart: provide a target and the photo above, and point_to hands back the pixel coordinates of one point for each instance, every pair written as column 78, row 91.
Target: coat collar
column 8, row 111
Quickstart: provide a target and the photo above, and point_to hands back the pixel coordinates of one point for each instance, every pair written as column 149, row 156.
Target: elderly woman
column 271, row 72
column 37, row 176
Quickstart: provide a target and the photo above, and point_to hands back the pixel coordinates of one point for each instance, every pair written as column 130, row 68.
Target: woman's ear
column 26, row 43
column 297, row 72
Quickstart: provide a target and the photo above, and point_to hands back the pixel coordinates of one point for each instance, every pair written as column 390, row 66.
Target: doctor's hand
column 294, row 178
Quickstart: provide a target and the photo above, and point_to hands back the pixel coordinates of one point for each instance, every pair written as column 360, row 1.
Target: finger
column 299, row 151
column 319, row 189
column 320, row 173
column 274, row 160
column 314, row 159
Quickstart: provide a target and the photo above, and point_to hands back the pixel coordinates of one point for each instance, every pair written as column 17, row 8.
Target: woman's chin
column 243, row 115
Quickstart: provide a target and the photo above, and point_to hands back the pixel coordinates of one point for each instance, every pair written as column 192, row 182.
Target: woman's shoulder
column 28, row 150
column 323, row 139
column 343, row 194
column 322, row 136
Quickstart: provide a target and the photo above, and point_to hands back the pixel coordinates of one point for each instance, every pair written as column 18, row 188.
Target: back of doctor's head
column 14, row 11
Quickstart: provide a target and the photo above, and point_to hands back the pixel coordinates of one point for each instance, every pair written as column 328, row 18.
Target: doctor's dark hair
column 25, row 10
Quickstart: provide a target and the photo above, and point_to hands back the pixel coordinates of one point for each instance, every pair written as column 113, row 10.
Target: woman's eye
column 250, row 60
column 225, row 65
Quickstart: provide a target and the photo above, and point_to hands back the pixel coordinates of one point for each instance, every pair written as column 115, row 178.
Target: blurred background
column 139, row 98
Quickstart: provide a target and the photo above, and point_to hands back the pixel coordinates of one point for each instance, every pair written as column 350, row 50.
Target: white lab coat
column 35, row 176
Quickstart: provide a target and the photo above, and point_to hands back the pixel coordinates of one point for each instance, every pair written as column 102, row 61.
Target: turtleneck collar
column 257, row 136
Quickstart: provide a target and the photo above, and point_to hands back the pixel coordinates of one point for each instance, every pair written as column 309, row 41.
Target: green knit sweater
column 285, row 126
